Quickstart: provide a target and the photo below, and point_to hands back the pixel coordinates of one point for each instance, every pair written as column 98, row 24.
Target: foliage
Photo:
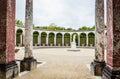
column 69, row 29
column 19, row 23
column 83, row 28
column 87, row 28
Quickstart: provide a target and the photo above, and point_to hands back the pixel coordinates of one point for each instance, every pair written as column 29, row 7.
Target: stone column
column 112, row 70
column 86, row 40
column 55, row 40
column 47, row 39
column 8, row 66
column 28, row 63
column 78, row 39
column 39, row 39
column 21, row 40
column 70, row 39
column 98, row 64
column 63, row 40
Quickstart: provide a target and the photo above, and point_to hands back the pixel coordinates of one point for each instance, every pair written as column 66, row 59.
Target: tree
column 83, row 28
column 69, row 29
column 19, row 23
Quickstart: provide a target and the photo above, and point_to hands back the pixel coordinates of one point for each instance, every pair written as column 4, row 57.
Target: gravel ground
column 60, row 63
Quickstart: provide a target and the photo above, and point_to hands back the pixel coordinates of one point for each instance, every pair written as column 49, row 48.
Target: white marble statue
column 74, row 38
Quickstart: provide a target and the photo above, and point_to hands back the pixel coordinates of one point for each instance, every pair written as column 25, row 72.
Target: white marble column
column 63, row 40
column 78, row 39
column 28, row 63
column 55, row 40
column 21, row 40
column 39, row 39
column 86, row 40
column 28, row 28
column 70, row 39
column 47, row 39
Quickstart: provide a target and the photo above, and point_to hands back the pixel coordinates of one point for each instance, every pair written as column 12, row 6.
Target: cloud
column 67, row 13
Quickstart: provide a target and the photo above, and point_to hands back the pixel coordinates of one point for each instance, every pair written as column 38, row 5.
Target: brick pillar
column 28, row 63
column 8, row 66
column 112, row 70
column 98, row 64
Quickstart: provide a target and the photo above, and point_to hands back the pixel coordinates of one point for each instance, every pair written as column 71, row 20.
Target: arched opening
column 19, row 37
column 91, row 39
column 83, row 39
column 59, row 39
column 43, row 38
column 51, row 39
column 76, row 38
column 35, row 38
column 66, row 39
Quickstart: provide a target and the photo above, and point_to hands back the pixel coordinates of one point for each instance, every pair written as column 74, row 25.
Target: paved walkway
column 60, row 64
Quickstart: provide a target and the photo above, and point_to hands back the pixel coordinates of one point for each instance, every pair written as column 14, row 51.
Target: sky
column 66, row 13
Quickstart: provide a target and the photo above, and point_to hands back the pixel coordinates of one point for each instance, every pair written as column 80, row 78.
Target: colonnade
column 62, row 33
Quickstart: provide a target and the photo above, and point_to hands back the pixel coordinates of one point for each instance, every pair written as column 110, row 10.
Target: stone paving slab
column 60, row 64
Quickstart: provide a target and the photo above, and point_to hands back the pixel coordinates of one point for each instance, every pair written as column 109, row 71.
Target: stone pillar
column 70, row 39
column 112, row 70
column 78, row 39
column 98, row 64
column 28, row 63
column 63, row 40
column 47, row 39
column 55, row 40
column 21, row 40
column 8, row 66
column 86, row 40
column 39, row 39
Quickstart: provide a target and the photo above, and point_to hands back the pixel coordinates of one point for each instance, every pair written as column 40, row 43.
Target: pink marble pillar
column 98, row 64
column 112, row 70
column 8, row 66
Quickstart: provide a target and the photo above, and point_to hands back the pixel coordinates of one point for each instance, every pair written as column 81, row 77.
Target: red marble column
column 112, row 70
column 98, row 64
column 8, row 66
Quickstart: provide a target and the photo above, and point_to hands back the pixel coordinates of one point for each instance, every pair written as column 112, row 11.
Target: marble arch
column 63, row 32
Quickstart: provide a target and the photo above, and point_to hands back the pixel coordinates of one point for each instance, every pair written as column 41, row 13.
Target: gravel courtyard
column 60, row 63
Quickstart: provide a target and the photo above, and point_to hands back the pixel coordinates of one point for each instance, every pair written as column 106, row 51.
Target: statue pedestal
column 73, row 47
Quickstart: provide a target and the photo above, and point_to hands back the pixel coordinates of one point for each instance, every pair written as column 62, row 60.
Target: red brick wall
column 7, row 30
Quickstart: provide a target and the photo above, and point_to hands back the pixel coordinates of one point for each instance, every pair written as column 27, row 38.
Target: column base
column 9, row 71
column 28, row 64
column 97, row 68
column 109, row 73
